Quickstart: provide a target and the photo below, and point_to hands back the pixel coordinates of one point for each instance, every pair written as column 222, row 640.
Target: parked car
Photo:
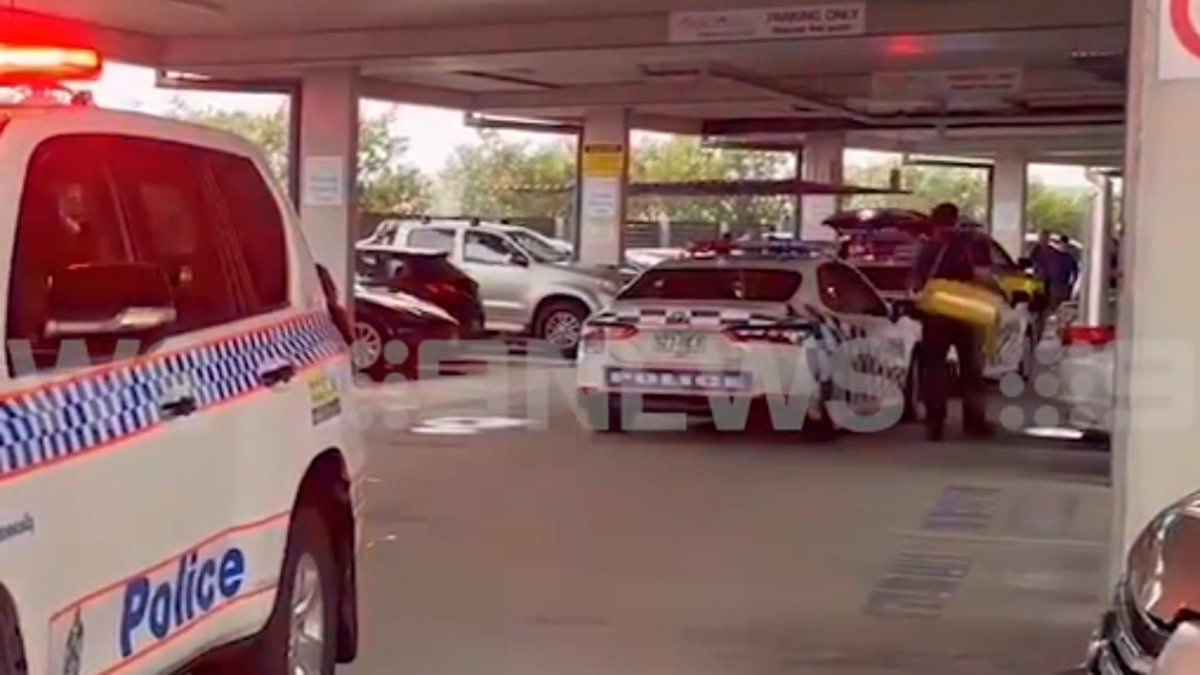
column 1156, row 605
column 883, row 244
column 526, row 288
column 383, row 318
column 423, row 274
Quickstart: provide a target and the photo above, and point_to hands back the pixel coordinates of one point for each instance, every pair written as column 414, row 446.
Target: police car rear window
column 751, row 285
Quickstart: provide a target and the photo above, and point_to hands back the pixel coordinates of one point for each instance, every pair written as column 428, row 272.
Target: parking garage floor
column 505, row 539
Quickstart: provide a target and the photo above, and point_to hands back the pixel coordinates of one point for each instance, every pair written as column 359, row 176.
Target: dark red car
column 427, row 275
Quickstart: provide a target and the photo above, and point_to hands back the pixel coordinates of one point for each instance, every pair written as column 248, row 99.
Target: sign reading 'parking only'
column 1179, row 40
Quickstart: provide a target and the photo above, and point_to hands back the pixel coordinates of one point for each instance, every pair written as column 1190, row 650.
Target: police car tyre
column 913, row 406
column 310, row 550
column 560, row 322
column 602, row 412
column 12, row 648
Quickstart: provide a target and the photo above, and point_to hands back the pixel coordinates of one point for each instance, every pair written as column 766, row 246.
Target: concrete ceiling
column 552, row 59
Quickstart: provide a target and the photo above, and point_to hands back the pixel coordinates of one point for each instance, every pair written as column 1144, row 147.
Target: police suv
column 180, row 486
column 783, row 332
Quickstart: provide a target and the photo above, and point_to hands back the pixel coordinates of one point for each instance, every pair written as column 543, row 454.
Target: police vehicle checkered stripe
column 69, row 417
column 685, row 318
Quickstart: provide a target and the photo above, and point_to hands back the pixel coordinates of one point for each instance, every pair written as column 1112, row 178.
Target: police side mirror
column 110, row 300
column 518, row 260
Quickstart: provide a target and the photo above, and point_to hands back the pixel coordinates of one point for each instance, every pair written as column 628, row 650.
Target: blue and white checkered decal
column 80, row 414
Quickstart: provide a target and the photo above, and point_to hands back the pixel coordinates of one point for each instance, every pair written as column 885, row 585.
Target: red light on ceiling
column 43, row 64
column 905, row 45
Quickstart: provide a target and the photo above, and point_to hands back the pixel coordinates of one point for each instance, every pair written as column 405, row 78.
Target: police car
column 179, row 480
column 795, row 337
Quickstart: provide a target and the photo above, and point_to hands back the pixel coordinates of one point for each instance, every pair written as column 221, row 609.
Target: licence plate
column 680, row 343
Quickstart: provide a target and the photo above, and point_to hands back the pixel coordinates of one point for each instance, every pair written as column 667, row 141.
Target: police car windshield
column 751, row 285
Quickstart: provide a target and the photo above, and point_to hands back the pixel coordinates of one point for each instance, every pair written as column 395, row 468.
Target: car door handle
column 178, row 407
column 280, row 374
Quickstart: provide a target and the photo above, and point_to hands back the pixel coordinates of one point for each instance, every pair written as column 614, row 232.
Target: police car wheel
column 12, row 650
column 602, row 412
column 301, row 636
column 913, row 405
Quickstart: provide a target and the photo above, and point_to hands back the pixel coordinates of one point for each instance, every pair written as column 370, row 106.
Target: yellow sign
column 603, row 160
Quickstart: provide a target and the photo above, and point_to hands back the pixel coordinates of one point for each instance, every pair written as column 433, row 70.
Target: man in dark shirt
column 955, row 254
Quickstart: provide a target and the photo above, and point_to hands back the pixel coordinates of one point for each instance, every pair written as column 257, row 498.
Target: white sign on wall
column 324, row 181
column 948, row 83
column 1179, row 40
column 600, row 221
column 770, row 23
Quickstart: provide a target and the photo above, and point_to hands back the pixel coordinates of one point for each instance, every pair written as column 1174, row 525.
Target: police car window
column 482, row 247
column 715, row 284
column 845, row 291
column 67, row 217
column 253, row 214
column 163, row 194
column 432, row 238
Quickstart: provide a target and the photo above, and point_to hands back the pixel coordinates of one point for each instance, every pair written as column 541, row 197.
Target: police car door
column 880, row 347
column 206, row 526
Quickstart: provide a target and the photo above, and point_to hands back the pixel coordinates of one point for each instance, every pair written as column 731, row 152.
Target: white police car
column 796, row 337
column 180, row 483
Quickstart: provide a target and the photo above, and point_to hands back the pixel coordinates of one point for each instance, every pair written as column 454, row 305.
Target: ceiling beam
column 417, row 94
column 919, row 23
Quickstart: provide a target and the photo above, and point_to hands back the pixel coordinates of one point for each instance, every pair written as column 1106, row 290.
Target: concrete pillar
column 603, row 180
column 823, row 161
column 329, row 168
column 1010, row 190
column 1095, row 305
column 1155, row 457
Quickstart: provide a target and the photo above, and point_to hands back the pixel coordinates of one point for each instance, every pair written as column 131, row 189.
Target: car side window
column 253, row 214
column 487, row 248
column 68, row 217
column 432, row 238
column 844, row 291
column 162, row 192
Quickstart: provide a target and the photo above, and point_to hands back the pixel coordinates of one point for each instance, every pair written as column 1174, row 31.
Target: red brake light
column 1097, row 336
column 614, row 333
column 42, row 64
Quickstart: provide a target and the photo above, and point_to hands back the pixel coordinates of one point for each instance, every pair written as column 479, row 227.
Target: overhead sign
column 1179, row 40
column 938, row 84
column 798, row 22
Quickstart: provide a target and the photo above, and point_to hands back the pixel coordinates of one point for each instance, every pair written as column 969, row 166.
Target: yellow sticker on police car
column 324, row 398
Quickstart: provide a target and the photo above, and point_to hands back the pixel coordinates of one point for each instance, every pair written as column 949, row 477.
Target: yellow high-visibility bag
column 961, row 301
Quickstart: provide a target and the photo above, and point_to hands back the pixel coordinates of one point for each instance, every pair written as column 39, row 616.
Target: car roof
column 744, row 263
column 88, row 119
column 400, row 250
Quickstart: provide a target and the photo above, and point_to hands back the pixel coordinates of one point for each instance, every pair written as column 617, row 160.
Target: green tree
column 683, row 158
column 1057, row 209
column 504, row 178
column 928, row 186
column 386, row 183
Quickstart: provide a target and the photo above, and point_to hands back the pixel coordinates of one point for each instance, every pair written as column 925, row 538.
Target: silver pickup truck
column 529, row 286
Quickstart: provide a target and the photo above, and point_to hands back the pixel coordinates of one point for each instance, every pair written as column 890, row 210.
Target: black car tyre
column 914, row 406
column 301, row 635
column 560, row 323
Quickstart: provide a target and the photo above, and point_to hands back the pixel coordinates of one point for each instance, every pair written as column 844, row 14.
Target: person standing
column 953, row 254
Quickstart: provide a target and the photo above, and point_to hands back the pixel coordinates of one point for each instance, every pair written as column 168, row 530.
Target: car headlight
column 609, row 287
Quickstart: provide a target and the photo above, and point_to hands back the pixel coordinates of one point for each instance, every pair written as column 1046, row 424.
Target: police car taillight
column 41, row 65
column 599, row 334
